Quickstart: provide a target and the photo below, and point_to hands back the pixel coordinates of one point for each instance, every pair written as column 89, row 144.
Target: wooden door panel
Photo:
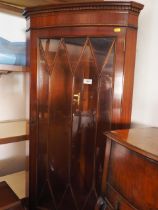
column 84, row 125
column 75, row 82
column 105, row 103
column 60, row 95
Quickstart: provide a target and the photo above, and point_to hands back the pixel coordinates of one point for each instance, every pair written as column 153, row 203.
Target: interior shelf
column 13, row 131
column 12, row 68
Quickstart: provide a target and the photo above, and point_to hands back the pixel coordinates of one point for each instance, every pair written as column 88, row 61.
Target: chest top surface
column 141, row 140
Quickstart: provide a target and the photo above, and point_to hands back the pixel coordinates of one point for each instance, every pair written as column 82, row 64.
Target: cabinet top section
column 140, row 140
column 97, row 14
column 130, row 6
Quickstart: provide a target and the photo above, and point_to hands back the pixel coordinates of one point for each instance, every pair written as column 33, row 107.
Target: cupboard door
column 75, row 81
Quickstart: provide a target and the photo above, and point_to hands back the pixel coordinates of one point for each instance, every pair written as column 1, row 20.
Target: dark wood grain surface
column 131, row 172
column 8, row 199
column 66, row 45
column 142, row 140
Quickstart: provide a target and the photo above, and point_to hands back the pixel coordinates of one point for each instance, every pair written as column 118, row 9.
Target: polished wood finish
column 13, row 139
column 8, row 199
column 68, row 44
column 130, row 179
column 147, row 143
column 60, row 15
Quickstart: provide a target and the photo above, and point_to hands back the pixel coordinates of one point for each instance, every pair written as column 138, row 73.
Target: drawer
column 116, row 200
column 134, row 177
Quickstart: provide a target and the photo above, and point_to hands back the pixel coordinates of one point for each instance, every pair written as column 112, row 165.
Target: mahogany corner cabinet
column 81, row 58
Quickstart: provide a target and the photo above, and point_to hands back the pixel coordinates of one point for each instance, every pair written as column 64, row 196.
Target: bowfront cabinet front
column 81, row 58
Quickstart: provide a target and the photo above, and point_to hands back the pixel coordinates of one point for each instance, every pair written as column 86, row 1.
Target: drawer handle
column 117, row 205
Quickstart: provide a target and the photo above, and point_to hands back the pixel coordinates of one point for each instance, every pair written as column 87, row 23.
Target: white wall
column 14, row 94
column 13, row 87
column 145, row 95
column 13, row 27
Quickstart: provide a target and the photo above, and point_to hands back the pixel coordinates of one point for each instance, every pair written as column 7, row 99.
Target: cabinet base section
column 116, row 200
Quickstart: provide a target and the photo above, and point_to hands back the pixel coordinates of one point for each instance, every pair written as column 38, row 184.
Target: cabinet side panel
column 118, row 80
column 128, row 77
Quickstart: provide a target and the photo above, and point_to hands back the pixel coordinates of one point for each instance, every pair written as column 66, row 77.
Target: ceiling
column 19, row 5
column 30, row 3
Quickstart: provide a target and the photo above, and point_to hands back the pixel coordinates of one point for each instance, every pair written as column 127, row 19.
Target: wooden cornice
column 130, row 6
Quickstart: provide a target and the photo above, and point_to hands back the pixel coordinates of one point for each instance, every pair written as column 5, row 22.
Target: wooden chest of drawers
column 130, row 179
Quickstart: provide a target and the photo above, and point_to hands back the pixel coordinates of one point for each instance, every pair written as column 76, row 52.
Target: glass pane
column 91, row 202
column 74, row 47
column 84, row 126
column 105, row 91
column 49, row 47
column 104, row 111
column 60, row 123
column 74, row 111
column 101, row 48
column 43, row 87
column 68, row 201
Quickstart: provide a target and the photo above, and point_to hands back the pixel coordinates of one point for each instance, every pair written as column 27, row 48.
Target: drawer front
column 134, row 176
column 117, row 201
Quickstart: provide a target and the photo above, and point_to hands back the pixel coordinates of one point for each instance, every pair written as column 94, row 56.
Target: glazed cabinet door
column 75, row 93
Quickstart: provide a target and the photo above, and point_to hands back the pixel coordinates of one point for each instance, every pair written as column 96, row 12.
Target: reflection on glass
column 74, row 48
column 75, row 101
column 49, row 49
column 43, row 81
column 60, row 122
column 104, row 110
column 84, row 124
column 101, row 48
